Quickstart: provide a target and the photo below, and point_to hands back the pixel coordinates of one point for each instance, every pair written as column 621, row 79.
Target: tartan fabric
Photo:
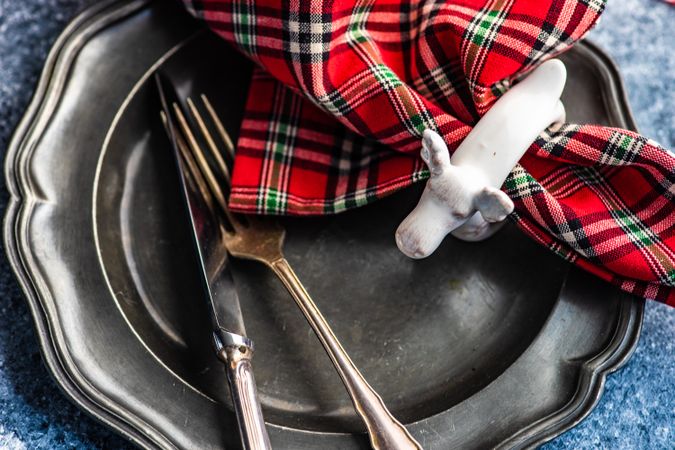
column 344, row 90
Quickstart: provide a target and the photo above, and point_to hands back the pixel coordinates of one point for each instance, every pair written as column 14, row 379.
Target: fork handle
column 384, row 431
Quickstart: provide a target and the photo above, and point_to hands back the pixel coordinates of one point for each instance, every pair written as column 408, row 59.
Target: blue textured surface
column 637, row 409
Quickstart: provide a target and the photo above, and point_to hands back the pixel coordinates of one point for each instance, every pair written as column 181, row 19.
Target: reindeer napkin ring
column 463, row 195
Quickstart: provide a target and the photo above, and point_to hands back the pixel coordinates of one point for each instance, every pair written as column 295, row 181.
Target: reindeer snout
column 420, row 234
column 409, row 243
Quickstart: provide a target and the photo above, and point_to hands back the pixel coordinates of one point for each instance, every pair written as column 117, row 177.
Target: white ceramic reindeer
column 463, row 196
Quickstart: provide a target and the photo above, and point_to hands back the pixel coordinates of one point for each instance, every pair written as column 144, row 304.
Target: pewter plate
column 496, row 344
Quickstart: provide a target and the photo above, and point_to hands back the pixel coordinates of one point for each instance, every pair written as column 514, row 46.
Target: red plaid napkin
column 345, row 89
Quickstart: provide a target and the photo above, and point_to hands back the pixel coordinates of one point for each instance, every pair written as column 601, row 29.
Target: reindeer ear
column 493, row 204
column 434, row 152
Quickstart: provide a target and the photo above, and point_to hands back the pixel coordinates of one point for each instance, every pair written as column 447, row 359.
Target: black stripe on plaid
column 335, row 103
column 360, row 40
column 244, row 26
column 445, row 79
column 553, row 39
column 622, row 149
column 555, row 141
column 309, row 36
column 534, row 231
column 520, row 184
column 640, row 235
column 482, row 32
column 572, row 232
column 550, row 40
column 279, row 146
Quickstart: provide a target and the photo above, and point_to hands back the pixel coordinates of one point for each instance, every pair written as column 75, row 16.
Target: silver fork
column 259, row 239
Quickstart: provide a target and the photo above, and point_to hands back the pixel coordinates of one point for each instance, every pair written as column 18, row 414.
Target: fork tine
column 204, row 167
column 196, row 183
column 224, row 135
column 193, row 175
column 229, row 146
column 209, row 141
column 218, row 260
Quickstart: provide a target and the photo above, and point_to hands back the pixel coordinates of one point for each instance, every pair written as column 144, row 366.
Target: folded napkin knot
column 343, row 91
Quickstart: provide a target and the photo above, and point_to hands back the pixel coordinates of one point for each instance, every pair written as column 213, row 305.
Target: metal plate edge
column 627, row 336
column 22, row 196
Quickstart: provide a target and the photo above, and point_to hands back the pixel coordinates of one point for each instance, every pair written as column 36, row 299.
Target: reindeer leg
column 477, row 229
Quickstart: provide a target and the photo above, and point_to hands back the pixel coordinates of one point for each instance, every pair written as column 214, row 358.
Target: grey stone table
column 637, row 409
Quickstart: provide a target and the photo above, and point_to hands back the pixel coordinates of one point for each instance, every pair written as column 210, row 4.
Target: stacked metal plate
column 468, row 349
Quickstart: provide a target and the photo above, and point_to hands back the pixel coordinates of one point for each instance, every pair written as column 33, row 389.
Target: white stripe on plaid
column 244, row 21
column 279, row 147
column 309, row 37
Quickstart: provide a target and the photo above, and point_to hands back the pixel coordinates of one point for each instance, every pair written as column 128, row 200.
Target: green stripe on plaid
column 642, row 235
column 274, row 201
column 639, row 234
column 520, row 184
column 384, row 75
column 621, row 149
column 485, row 23
column 279, row 147
column 671, row 277
column 357, row 32
column 359, row 198
column 244, row 20
column 481, row 34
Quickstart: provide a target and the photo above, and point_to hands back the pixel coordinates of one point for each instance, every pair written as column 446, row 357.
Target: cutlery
column 260, row 239
column 229, row 334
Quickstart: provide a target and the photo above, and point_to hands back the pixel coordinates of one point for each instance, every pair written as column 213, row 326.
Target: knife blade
column 232, row 345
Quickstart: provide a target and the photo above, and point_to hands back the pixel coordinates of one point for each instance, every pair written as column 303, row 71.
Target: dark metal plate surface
column 493, row 344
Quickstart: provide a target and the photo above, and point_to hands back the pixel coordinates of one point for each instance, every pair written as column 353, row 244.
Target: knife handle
column 245, row 397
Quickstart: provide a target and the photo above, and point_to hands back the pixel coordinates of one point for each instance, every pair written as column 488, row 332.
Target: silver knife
column 229, row 334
